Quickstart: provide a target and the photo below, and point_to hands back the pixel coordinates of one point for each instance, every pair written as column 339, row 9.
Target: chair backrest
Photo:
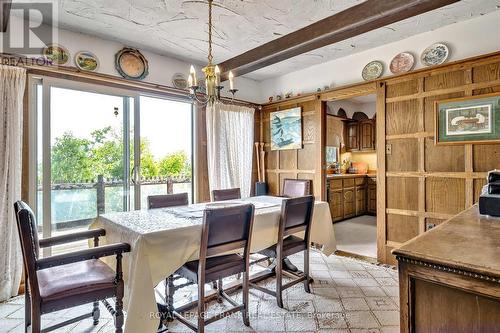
column 227, row 229
column 296, row 215
column 168, row 200
column 28, row 235
column 296, row 187
column 228, row 194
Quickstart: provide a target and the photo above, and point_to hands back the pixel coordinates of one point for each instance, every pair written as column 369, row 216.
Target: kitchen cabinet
column 352, row 135
column 372, row 196
column 349, row 196
column 361, row 135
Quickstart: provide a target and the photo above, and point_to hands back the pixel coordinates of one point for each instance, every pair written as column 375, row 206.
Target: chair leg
column 27, row 308
column 36, row 321
column 201, row 307
column 119, row 309
column 96, row 313
column 246, row 287
column 306, row 271
column 220, row 290
column 279, row 282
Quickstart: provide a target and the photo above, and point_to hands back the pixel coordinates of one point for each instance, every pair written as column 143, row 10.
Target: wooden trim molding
column 448, row 269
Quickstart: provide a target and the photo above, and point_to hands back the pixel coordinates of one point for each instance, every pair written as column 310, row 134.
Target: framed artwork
column 474, row 119
column 286, row 129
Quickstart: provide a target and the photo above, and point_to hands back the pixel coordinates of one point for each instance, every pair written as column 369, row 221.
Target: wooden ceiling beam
column 354, row 21
column 5, row 6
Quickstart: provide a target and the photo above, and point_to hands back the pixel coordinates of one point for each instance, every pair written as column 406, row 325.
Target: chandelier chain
column 210, row 57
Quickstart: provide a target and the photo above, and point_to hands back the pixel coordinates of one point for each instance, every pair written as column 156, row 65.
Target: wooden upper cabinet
column 367, row 135
column 360, row 135
column 352, row 134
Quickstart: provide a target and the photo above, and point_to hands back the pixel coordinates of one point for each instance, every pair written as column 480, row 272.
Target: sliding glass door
column 96, row 150
column 165, row 139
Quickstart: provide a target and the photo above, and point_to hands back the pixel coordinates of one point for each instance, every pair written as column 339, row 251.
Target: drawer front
column 335, row 184
column 349, row 182
column 360, row 180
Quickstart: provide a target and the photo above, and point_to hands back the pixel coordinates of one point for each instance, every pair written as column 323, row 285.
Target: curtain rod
column 42, row 66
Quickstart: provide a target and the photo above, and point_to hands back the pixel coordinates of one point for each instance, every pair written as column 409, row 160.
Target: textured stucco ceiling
column 179, row 28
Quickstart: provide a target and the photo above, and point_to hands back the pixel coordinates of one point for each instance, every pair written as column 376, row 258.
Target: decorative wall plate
column 372, row 70
column 58, row 54
column 86, row 61
column 435, row 54
column 402, row 62
column 131, row 64
column 179, row 81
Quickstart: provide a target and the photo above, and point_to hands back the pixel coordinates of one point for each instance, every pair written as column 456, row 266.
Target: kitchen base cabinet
column 349, row 196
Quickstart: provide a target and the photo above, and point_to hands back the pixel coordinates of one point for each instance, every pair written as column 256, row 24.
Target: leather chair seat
column 215, row 268
column 291, row 245
column 74, row 279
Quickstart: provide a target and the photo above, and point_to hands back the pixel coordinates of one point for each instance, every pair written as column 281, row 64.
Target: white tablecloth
column 162, row 240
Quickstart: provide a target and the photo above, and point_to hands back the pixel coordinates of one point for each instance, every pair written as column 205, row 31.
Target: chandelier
column 211, row 71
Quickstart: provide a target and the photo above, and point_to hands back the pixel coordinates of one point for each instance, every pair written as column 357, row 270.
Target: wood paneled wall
column 305, row 163
column 427, row 184
column 418, row 183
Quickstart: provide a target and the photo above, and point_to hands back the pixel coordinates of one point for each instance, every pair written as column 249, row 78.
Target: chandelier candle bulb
column 192, row 73
column 217, row 75
column 190, row 80
column 231, row 80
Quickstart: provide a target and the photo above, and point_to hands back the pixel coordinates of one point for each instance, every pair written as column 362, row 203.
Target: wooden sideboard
column 351, row 195
column 449, row 277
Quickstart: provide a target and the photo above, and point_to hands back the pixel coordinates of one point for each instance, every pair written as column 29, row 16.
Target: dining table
column 164, row 239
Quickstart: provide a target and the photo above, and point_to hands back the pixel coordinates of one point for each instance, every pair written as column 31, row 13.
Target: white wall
column 466, row 39
column 350, row 107
column 161, row 68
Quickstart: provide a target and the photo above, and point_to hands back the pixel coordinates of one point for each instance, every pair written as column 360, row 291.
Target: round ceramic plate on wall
column 179, row 81
column 86, row 61
column 58, row 54
column 131, row 64
column 402, row 62
column 372, row 70
column 435, row 54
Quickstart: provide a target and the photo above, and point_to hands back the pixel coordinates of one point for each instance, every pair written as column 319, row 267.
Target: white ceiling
column 178, row 28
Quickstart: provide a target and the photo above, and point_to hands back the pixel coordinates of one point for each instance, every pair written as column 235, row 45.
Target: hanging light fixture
column 211, row 71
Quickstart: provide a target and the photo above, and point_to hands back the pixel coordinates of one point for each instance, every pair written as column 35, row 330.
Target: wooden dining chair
column 227, row 194
column 168, row 200
column 296, row 216
column 67, row 280
column 224, row 230
column 293, row 188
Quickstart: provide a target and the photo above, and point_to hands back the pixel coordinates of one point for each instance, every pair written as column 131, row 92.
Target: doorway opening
column 351, row 164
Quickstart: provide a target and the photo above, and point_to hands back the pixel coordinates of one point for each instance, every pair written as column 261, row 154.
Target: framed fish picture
column 286, row 129
column 474, row 119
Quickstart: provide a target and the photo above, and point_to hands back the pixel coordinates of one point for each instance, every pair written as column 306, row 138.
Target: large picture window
column 96, row 150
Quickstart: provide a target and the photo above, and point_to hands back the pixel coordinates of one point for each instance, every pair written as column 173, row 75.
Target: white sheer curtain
column 12, row 83
column 230, row 136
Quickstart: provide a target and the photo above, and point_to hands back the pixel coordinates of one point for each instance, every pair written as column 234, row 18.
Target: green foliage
column 174, row 164
column 75, row 159
column 71, row 159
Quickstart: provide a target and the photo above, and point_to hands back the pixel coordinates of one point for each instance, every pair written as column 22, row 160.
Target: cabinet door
column 349, row 203
column 372, row 199
column 336, row 208
column 360, row 200
column 366, row 135
column 352, row 136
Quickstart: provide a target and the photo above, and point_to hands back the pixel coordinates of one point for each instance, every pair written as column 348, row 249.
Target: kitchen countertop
column 349, row 175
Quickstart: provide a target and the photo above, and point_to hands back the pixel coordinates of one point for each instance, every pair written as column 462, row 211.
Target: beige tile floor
column 347, row 296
